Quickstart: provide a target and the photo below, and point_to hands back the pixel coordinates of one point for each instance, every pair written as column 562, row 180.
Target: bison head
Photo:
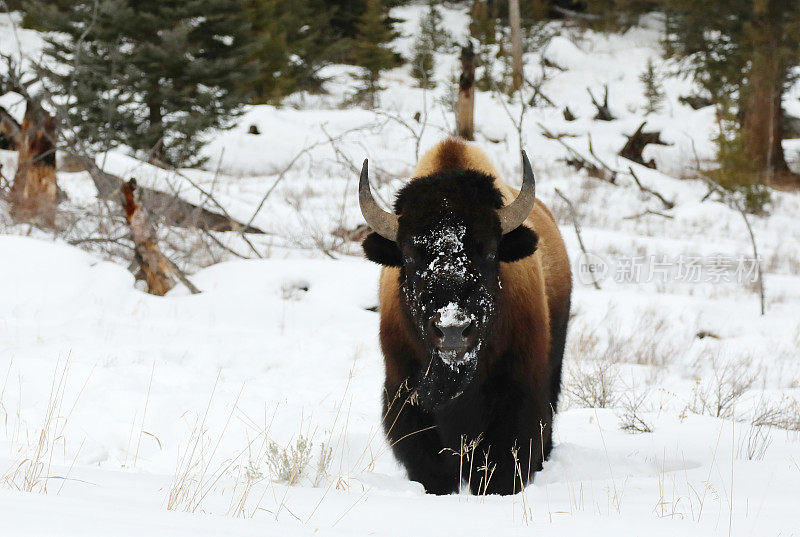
column 448, row 235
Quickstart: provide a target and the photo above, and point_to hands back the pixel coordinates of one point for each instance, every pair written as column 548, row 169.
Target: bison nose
column 452, row 337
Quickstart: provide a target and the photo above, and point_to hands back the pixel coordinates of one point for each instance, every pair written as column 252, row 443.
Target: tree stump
column 159, row 272
column 34, row 192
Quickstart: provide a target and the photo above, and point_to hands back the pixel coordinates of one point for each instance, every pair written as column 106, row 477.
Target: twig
column 667, row 204
column 603, row 112
column 219, row 243
column 114, row 240
column 645, row 213
column 537, row 91
column 733, row 203
column 613, row 178
column 291, row 164
column 592, row 169
column 416, row 134
column 182, row 277
column 577, row 232
column 755, row 258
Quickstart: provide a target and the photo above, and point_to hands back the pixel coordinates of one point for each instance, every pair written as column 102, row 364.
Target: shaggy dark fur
column 492, row 408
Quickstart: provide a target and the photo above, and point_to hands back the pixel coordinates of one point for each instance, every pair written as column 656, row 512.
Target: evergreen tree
column 742, row 53
column 154, row 75
column 370, row 50
column 431, row 38
column 651, row 82
column 346, row 15
column 431, row 29
column 10, row 5
column 291, row 43
column 422, row 63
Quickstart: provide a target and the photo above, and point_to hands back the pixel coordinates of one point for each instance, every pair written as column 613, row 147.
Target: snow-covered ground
column 253, row 407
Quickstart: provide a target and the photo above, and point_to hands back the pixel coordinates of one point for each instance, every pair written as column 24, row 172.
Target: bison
column 474, row 306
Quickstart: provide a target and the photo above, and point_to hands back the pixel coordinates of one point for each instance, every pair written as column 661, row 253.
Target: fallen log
column 173, row 210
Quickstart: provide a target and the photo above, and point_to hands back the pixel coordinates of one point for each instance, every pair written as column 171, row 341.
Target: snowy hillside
column 254, row 407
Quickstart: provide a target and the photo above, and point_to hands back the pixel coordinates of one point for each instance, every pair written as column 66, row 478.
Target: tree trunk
column 465, row 105
column 158, row 270
column 517, row 74
column 761, row 133
column 156, row 120
column 34, row 192
column 10, row 131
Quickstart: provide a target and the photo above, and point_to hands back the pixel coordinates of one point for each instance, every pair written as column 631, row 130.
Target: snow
column 447, row 245
column 451, row 315
column 131, row 414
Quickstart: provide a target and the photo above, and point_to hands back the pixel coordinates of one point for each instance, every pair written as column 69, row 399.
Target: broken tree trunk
column 465, row 105
column 10, row 131
column 603, row 111
column 173, row 210
column 636, row 143
column 159, row 272
column 517, row 76
column 34, row 192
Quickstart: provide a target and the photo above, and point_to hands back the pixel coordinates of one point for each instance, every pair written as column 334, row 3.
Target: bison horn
column 383, row 223
column 512, row 216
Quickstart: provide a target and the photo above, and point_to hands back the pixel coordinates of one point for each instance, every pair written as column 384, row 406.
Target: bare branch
column 575, row 223
column 667, row 204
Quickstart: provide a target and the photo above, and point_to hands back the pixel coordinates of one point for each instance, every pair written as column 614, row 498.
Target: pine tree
column 430, row 28
column 431, row 38
column 291, row 43
column 422, row 64
column 153, row 75
column 346, row 15
column 370, row 50
column 741, row 52
column 651, row 82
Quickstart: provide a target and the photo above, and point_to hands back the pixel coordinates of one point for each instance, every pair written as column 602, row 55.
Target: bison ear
column 382, row 251
column 517, row 244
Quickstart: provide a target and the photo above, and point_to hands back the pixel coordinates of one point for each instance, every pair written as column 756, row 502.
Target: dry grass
column 257, row 478
column 592, row 384
column 194, row 477
column 31, row 469
column 754, row 443
column 730, row 382
column 645, row 342
column 784, row 414
column 631, row 414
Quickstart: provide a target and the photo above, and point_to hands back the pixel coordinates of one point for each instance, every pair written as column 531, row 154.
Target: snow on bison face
column 448, row 237
column 449, row 283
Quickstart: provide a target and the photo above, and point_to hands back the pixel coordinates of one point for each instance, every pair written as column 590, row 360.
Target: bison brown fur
column 473, row 325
